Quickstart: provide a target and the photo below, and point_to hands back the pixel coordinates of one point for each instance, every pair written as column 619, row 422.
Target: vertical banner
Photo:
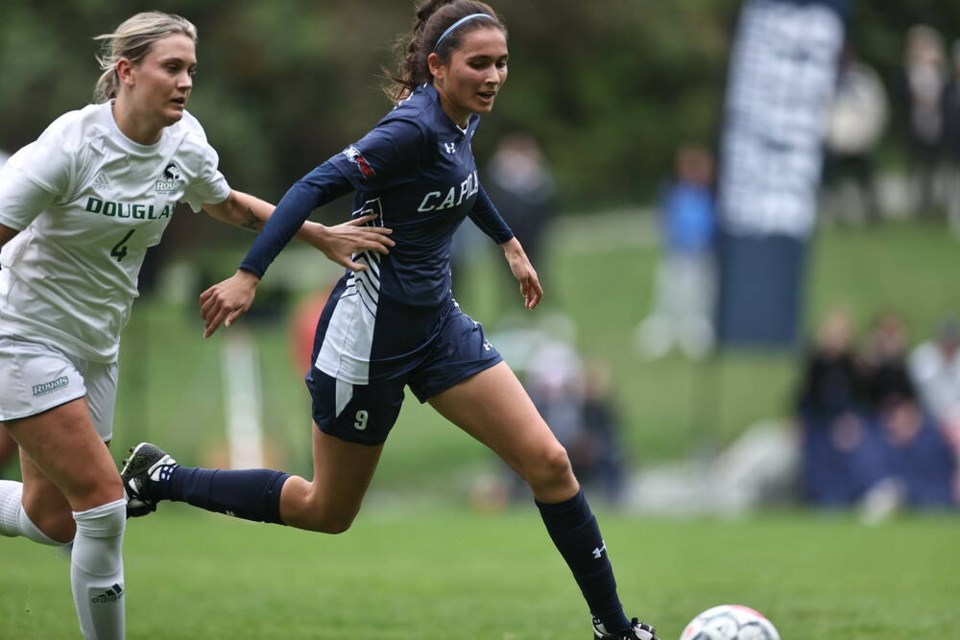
column 781, row 80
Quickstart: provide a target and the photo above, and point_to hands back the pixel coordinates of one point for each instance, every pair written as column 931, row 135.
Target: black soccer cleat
column 637, row 631
column 147, row 463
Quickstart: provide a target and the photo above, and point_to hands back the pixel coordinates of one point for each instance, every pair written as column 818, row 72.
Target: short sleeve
column 34, row 178
column 209, row 186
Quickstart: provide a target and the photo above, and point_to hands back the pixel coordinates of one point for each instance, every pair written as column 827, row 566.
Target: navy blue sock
column 252, row 494
column 574, row 531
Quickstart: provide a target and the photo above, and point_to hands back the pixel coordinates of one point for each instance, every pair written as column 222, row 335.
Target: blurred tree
column 610, row 87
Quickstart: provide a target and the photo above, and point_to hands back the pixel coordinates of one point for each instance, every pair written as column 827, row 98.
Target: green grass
column 417, row 565
column 406, row 573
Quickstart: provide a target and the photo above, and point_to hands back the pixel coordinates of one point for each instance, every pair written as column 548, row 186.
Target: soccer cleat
column 147, row 463
column 637, row 631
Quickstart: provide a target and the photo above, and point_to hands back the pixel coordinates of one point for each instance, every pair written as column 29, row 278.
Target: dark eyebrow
column 483, row 56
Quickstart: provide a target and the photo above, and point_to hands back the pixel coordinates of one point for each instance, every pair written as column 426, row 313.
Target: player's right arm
column 226, row 301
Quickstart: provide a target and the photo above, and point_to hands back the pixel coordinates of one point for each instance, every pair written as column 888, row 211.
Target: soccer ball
column 730, row 622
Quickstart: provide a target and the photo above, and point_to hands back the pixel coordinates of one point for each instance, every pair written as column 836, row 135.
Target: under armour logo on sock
column 599, row 551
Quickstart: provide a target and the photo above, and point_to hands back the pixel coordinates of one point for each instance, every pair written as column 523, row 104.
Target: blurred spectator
column 576, row 400
column 842, row 456
column 951, row 133
column 888, row 382
column 920, row 466
column 922, row 82
column 867, row 442
column 935, row 368
column 832, row 382
column 599, row 459
column 856, row 122
column 685, row 285
column 522, row 187
column 554, row 380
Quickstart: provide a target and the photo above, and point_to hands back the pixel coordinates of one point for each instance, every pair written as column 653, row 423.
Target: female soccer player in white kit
column 78, row 209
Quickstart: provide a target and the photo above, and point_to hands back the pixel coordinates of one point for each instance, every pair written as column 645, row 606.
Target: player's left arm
column 523, row 271
column 339, row 242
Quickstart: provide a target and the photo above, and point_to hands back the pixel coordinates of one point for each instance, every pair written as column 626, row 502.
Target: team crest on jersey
column 353, row 154
column 172, row 179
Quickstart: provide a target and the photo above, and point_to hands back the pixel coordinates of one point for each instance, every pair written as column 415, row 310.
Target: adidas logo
column 112, row 594
column 101, row 181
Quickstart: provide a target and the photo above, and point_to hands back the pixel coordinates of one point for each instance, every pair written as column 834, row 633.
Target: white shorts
column 37, row 377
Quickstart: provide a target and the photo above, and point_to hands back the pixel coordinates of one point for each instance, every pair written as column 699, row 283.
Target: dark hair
column 432, row 20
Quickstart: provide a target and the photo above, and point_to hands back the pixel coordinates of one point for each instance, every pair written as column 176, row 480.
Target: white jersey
column 88, row 203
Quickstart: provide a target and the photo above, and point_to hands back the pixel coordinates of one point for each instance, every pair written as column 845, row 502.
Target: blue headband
column 459, row 22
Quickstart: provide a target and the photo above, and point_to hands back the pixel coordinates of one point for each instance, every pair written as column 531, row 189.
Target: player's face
column 474, row 75
column 161, row 82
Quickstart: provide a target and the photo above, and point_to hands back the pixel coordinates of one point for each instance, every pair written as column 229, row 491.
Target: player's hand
column 226, row 301
column 524, row 272
column 340, row 242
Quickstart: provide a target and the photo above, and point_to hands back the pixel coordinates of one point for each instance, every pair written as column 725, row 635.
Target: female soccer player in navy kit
column 396, row 324
column 78, row 209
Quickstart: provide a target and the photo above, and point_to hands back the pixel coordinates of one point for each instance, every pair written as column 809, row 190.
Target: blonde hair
column 132, row 40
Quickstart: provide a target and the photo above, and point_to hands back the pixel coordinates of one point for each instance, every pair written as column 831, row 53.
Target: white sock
column 10, row 494
column 96, row 570
column 14, row 520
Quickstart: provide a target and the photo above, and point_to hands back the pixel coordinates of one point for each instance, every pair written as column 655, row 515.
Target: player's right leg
column 71, row 490
column 493, row 407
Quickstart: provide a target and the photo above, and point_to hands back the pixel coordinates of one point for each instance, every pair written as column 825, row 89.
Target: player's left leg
column 493, row 407
column 351, row 423
column 327, row 504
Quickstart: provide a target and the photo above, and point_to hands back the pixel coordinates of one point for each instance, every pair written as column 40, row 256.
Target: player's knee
column 105, row 521
column 330, row 523
column 338, row 525
column 322, row 517
column 99, row 489
column 550, row 469
column 56, row 524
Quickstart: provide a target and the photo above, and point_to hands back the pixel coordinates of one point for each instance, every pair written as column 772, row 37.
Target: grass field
column 436, row 574
column 419, row 565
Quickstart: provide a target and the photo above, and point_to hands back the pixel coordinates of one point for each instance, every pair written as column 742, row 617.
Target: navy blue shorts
column 366, row 413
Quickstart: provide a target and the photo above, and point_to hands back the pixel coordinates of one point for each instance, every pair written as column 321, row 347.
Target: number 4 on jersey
column 119, row 250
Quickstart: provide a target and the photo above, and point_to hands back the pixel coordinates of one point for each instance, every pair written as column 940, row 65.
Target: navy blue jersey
column 416, row 170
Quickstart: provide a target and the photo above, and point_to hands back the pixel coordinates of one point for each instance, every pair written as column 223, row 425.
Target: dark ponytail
column 433, row 18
